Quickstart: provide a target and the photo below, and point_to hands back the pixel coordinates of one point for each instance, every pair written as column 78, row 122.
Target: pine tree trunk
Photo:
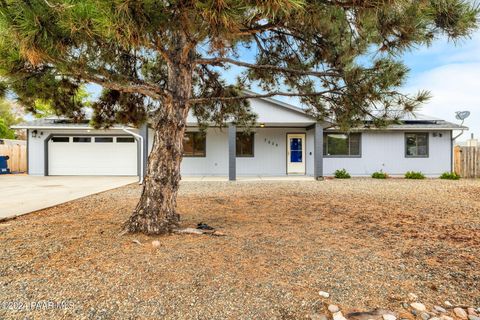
column 156, row 211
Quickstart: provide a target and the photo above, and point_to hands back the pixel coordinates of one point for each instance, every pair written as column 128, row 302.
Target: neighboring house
column 287, row 141
column 472, row 142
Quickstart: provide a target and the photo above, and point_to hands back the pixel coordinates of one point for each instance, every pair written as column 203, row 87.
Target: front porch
column 285, row 142
column 300, row 153
column 248, row 178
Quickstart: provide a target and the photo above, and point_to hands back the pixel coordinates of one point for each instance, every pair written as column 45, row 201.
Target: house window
column 104, row 140
column 125, row 140
column 82, row 139
column 416, row 145
column 61, row 139
column 244, row 144
column 341, row 144
column 194, row 144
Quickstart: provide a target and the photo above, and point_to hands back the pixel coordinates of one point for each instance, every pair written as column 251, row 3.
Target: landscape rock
column 324, row 294
column 412, row 296
column 472, row 311
column 318, row 316
column 136, row 241
column 333, row 308
column 156, row 243
column 439, row 309
column 406, row 316
column 418, row 306
column 459, row 312
column 448, row 303
column 389, row 317
column 424, row 316
column 444, row 317
column 376, row 314
column 473, row 317
column 338, row 316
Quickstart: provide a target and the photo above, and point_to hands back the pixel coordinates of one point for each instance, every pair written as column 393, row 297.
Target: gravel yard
column 368, row 243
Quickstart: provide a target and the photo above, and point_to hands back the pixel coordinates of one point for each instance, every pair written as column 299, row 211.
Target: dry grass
column 367, row 242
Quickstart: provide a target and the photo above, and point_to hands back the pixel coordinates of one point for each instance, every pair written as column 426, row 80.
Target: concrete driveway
column 20, row 194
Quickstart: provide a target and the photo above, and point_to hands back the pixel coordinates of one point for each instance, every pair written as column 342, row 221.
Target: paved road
column 20, row 194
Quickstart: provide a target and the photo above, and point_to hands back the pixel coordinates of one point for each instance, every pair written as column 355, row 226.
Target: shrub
column 379, row 175
column 414, row 175
column 342, row 174
column 450, row 176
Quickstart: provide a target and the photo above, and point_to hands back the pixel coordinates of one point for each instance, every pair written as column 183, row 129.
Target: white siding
column 271, row 113
column 380, row 150
column 270, row 154
column 386, row 151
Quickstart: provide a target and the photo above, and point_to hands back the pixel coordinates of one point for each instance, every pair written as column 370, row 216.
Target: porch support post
column 232, row 150
column 318, row 152
column 143, row 131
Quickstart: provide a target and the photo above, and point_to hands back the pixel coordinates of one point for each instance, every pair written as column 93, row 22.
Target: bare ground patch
column 366, row 242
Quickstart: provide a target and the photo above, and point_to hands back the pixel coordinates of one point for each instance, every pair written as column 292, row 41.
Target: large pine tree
column 159, row 59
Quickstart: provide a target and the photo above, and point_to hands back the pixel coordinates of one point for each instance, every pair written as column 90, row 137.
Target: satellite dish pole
column 459, row 115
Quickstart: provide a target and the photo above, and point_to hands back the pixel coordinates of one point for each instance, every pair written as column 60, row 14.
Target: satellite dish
column 462, row 115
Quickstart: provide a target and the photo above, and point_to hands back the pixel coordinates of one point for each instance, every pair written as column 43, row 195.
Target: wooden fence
column 17, row 154
column 467, row 161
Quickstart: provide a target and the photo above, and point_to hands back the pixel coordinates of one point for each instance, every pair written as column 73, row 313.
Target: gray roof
column 56, row 123
column 412, row 121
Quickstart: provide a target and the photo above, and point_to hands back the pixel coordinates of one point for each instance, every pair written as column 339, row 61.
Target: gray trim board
column 28, row 152
column 232, row 152
column 318, row 152
column 143, row 131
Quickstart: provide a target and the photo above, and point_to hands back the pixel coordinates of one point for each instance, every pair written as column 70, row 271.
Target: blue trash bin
column 4, row 165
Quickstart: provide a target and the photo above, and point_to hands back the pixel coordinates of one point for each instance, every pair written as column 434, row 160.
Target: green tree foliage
column 43, row 108
column 7, row 119
column 50, row 48
column 161, row 59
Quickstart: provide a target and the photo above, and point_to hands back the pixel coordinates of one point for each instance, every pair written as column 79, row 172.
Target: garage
column 92, row 155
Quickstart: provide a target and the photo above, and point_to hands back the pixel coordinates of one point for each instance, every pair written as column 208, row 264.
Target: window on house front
column 125, row 140
column 244, row 144
column 103, row 139
column 60, row 139
column 341, row 144
column 194, row 144
column 416, row 144
column 82, row 139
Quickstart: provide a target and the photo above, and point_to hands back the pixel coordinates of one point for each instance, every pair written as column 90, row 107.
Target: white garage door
column 92, row 155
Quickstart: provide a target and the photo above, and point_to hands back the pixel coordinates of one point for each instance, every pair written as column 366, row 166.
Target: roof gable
column 273, row 112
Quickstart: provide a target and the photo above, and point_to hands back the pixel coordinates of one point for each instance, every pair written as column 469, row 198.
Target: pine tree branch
column 265, row 95
column 220, row 61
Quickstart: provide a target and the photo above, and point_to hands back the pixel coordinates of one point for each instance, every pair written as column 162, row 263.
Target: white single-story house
column 286, row 141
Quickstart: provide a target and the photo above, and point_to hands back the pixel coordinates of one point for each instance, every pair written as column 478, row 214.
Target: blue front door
column 296, row 153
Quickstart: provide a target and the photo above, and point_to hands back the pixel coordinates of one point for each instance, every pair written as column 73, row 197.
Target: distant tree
column 160, row 59
column 7, row 118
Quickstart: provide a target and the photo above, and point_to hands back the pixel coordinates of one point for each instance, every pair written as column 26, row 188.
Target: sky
column 451, row 72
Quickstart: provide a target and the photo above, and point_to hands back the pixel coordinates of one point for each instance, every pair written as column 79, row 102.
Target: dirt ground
column 366, row 242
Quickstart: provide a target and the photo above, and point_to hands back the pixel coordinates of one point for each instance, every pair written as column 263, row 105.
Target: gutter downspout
column 136, row 135
column 452, row 165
